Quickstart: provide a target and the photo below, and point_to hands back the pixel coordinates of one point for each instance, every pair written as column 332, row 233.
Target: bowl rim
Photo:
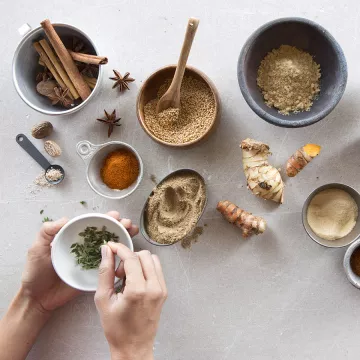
column 311, row 234
column 264, row 114
column 213, row 89
column 104, row 145
column 57, row 238
column 22, row 95
column 352, row 277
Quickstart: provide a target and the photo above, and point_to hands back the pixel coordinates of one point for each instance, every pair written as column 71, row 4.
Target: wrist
column 132, row 353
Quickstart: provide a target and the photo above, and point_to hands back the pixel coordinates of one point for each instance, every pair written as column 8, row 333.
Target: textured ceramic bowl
column 94, row 156
column 142, row 217
column 353, row 278
column 305, row 35
column 64, row 261
column 25, row 67
column 346, row 240
column 149, row 92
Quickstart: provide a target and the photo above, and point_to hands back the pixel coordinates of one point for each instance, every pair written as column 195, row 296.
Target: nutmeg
column 52, row 148
column 42, row 130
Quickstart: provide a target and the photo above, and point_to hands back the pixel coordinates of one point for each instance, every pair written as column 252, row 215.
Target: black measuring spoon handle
column 27, row 145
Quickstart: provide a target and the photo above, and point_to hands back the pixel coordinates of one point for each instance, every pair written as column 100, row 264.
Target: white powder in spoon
column 332, row 214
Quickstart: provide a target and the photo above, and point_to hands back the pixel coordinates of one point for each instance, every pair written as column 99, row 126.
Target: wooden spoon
column 171, row 99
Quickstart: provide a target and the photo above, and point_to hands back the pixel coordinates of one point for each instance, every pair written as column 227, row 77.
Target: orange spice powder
column 120, row 169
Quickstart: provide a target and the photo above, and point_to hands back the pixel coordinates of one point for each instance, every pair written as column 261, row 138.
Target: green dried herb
column 88, row 252
column 46, row 219
column 83, row 202
column 41, row 212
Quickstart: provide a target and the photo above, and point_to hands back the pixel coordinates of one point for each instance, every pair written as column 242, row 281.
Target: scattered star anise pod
column 61, row 96
column 111, row 121
column 121, row 81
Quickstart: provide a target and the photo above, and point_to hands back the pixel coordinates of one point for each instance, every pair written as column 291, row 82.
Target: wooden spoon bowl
column 149, row 92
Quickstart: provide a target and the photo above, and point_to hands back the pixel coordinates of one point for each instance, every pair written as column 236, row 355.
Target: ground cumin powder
column 289, row 79
column 120, row 169
column 191, row 121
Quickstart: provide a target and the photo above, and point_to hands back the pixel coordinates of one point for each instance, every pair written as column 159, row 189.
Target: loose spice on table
column 190, row 122
column 289, row 79
column 120, row 169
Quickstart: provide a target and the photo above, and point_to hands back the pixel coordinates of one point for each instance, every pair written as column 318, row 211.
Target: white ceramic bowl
column 94, row 156
column 64, row 261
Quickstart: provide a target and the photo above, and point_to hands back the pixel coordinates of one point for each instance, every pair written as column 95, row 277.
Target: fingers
column 148, row 266
column 106, row 274
column 132, row 265
column 132, row 229
column 49, row 229
column 114, row 214
column 160, row 274
column 120, row 272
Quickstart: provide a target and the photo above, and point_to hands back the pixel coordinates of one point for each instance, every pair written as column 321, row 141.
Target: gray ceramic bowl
column 353, row 278
column 310, row 37
column 346, row 240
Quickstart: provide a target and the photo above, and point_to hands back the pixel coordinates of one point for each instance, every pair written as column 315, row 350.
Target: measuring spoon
column 27, row 145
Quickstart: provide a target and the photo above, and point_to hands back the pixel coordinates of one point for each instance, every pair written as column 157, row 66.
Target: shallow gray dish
column 305, row 35
column 346, row 240
column 353, row 278
column 142, row 217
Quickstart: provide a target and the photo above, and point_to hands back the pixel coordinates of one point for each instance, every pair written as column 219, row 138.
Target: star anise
column 121, row 81
column 78, row 45
column 89, row 70
column 111, row 121
column 61, row 96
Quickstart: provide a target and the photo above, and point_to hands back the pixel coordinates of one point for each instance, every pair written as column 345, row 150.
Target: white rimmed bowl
column 346, row 240
column 64, row 261
column 94, row 156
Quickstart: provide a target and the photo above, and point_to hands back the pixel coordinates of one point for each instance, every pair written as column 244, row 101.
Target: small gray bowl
column 346, row 240
column 305, row 35
column 353, row 278
column 25, row 67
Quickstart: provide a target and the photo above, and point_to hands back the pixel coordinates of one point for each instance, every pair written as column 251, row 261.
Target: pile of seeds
column 289, row 79
column 196, row 115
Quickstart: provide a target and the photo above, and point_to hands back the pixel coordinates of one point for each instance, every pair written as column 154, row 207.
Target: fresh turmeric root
column 248, row 223
column 263, row 179
column 301, row 158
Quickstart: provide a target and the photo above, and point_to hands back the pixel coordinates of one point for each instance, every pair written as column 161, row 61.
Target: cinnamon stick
column 45, row 45
column 88, row 59
column 70, row 67
column 45, row 59
column 90, row 81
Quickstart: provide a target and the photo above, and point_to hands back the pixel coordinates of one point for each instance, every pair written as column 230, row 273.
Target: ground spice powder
column 196, row 114
column 289, row 79
column 120, row 169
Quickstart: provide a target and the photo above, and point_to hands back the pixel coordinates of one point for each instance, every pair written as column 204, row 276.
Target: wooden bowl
column 149, row 92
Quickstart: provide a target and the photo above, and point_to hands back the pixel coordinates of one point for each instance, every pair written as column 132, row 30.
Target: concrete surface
column 278, row 296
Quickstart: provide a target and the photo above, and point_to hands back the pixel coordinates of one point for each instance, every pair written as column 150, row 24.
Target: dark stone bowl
column 305, row 35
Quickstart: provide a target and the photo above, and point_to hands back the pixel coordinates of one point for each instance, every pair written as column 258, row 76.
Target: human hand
column 130, row 319
column 40, row 281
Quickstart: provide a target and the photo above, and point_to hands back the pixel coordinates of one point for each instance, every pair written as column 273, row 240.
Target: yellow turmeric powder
column 120, row 169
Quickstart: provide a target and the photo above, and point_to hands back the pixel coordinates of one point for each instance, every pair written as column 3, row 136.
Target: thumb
column 50, row 229
column 106, row 274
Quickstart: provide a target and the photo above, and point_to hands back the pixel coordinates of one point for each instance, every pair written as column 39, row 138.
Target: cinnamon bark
column 88, row 59
column 70, row 67
column 45, row 45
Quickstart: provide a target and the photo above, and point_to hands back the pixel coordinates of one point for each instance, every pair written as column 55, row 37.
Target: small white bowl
column 94, row 156
column 64, row 261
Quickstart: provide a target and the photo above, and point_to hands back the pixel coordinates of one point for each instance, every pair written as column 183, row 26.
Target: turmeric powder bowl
column 105, row 181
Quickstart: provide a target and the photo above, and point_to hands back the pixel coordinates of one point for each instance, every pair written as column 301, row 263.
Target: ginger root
column 301, row 158
column 248, row 223
column 263, row 179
